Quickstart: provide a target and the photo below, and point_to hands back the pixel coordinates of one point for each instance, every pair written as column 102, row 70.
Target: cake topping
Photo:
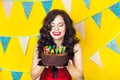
column 54, row 49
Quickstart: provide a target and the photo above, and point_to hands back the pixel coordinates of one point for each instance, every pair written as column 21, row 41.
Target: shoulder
column 77, row 47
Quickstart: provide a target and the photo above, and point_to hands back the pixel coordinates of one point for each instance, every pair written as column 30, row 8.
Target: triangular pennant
column 87, row 3
column 67, row 4
column 96, row 59
column 7, row 6
column 4, row 41
column 47, row 5
column 97, row 18
column 24, row 43
column 16, row 75
column 116, row 9
column 27, row 8
column 80, row 27
column 113, row 46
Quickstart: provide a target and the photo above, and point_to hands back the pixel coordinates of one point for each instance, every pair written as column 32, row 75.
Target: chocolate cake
column 54, row 59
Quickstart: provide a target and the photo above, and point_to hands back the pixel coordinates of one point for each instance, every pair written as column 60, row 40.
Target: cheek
column 64, row 31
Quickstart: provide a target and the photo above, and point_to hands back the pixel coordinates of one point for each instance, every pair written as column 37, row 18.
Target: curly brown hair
column 70, row 38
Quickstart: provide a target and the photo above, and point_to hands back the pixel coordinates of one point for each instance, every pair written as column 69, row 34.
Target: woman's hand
column 75, row 73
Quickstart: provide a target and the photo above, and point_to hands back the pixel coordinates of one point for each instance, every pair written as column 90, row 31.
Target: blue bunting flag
column 87, row 3
column 113, row 46
column 116, row 9
column 4, row 41
column 47, row 5
column 16, row 75
column 97, row 19
column 27, row 8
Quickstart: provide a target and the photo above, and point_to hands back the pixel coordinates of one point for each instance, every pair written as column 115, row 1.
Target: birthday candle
column 52, row 51
column 53, row 46
column 50, row 47
column 60, row 50
column 56, row 50
column 57, row 47
column 47, row 50
column 63, row 49
column 44, row 49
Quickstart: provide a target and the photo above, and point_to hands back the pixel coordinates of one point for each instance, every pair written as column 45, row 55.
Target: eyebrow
column 58, row 23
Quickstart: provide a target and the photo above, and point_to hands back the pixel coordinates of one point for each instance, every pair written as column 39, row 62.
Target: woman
column 58, row 30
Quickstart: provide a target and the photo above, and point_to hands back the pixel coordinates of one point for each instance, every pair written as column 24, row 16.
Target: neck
column 58, row 42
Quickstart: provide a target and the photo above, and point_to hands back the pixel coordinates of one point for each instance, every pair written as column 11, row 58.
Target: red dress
column 62, row 74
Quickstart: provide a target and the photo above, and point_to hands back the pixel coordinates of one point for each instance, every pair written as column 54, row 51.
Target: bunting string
column 96, row 56
column 36, row 35
column 108, row 42
column 24, row 40
column 16, row 75
column 48, row 3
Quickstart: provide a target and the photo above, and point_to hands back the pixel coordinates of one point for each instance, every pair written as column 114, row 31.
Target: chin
column 56, row 38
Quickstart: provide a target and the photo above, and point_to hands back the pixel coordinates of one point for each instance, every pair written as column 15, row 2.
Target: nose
column 56, row 28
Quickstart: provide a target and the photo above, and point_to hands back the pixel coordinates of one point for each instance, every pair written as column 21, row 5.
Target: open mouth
column 56, row 33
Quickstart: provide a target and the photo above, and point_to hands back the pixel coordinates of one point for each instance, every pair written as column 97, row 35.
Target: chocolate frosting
column 54, row 59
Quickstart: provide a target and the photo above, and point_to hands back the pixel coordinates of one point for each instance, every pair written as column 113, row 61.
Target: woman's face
column 58, row 28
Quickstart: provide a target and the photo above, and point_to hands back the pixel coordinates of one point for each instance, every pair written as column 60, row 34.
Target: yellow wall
column 95, row 38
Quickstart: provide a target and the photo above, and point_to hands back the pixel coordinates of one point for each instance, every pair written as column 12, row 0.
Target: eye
column 60, row 25
column 52, row 25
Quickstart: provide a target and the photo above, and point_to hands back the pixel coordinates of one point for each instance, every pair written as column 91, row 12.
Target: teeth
column 56, row 33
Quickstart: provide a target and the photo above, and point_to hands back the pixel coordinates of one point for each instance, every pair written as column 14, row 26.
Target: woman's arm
column 75, row 67
column 36, row 69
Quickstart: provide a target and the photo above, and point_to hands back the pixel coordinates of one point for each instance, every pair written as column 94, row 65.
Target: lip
column 56, row 33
